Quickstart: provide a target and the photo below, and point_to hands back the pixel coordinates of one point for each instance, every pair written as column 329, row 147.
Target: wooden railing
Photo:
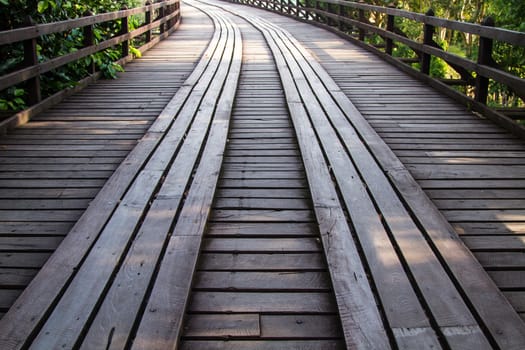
column 160, row 19
column 350, row 20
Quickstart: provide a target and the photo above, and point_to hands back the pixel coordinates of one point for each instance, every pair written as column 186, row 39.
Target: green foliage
column 14, row 14
column 14, row 100
column 509, row 14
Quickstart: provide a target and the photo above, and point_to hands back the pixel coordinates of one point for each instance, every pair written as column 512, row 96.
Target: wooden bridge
column 257, row 182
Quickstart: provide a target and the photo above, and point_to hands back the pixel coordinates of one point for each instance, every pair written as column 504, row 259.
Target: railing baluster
column 428, row 37
column 390, row 23
column 162, row 27
column 148, row 21
column 362, row 20
column 341, row 12
column 318, row 8
column 89, row 40
column 31, row 59
column 124, row 29
column 485, row 58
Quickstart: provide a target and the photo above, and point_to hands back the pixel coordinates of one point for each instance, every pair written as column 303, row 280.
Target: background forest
column 509, row 14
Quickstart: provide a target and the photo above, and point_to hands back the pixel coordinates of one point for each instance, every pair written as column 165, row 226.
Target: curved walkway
column 263, row 210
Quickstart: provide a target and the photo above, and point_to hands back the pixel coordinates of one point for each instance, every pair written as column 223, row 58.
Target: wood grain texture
column 54, row 277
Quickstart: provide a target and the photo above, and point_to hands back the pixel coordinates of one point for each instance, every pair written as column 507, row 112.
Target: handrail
column 348, row 19
column 31, row 32
column 167, row 19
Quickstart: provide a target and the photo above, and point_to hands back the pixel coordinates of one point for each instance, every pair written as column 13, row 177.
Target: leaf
column 19, row 101
column 19, row 92
column 4, row 2
column 135, row 52
column 42, row 6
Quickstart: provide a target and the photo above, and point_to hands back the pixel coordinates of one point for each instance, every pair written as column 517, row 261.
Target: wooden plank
column 29, row 244
column 223, row 326
column 70, row 315
column 501, row 260
column 261, row 193
column 260, row 281
column 314, row 111
column 335, row 232
column 261, row 229
column 7, row 296
column 489, row 228
column 261, row 261
column 501, row 204
column 33, row 228
column 300, row 326
column 56, row 273
column 489, row 215
column 509, row 280
column 23, row 260
column 265, row 345
column 474, row 286
column 495, row 243
column 312, row 302
column 227, row 215
column 261, row 245
column 191, row 221
column 16, row 278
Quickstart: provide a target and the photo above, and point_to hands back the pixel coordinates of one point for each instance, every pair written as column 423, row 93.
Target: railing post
column 148, row 21
column 390, row 22
column 341, row 13
column 162, row 27
column 124, row 29
column 31, row 59
column 318, row 8
column 485, row 58
column 362, row 20
column 289, row 7
column 89, row 40
column 428, row 35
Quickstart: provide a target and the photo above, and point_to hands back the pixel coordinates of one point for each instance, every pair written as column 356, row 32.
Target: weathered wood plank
column 223, row 326
column 260, row 229
column 265, row 345
column 260, row 281
column 195, row 212
column 300, row 326
column 311, row 302
column 333, row 227
column 59, row 269
column 262, row 261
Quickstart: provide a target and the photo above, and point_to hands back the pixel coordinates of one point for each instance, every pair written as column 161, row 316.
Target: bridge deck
column 313, row 229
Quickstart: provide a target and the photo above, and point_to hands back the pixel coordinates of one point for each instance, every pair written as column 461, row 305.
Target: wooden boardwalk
column 52, row 167
column 258, row 183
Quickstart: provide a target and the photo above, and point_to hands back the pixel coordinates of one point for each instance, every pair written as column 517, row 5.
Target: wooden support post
column 390, row 23
column 362, row 20
column 341, row 12
column 289, row 7
column 330, row 9
column 428, row 38
column 124, row 29
column 485, row 58
column 31, row 59
column 148, row 21
column 89, row 40
column 304, row 10
column 162, row 27
column 318, row 7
